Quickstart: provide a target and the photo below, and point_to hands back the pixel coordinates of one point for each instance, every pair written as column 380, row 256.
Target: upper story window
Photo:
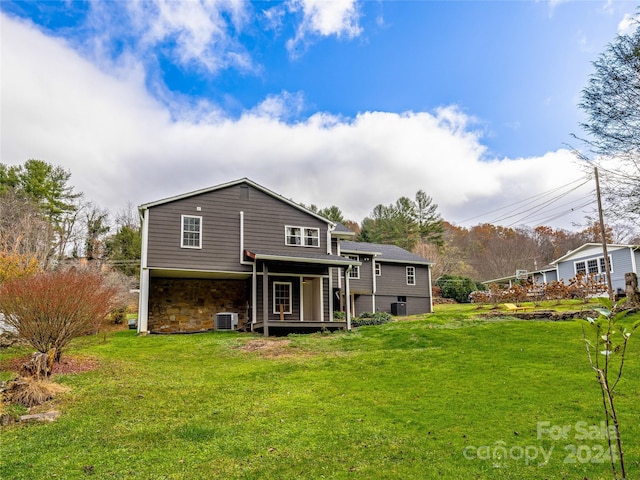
column 355, row 270
column 378, row 269
column 411, row 275
column 302, row 236
column 191, row 231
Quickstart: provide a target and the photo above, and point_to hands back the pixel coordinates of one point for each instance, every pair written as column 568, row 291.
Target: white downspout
column 143, row 301
column 331, row 228
column 339, row 276
column 430, row 289
column 254, row 274
column 374, row 283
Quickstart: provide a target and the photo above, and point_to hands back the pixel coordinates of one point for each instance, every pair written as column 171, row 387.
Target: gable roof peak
column 233, row 183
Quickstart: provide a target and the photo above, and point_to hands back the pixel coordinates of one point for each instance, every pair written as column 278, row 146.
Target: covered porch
column 293, row 293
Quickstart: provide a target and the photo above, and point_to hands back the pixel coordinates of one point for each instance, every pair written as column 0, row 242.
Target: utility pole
column 603, row 235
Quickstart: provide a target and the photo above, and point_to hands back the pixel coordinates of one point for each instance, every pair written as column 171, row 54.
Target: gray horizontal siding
column 365, row 281
column 363, row 303
column 393, row 281
column 415, row 305
column 265, row 218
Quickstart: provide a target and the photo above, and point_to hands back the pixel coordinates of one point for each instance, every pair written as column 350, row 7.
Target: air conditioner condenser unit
column 226, row 321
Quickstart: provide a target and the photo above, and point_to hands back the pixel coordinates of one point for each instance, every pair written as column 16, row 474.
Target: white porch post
column 143, row 301
column 347, row 295
column 331, row 309
column 265, row 299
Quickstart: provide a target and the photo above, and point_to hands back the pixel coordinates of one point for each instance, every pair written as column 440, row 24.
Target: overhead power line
column 542, row 207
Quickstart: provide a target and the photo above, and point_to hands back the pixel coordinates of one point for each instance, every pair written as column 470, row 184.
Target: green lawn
column 442, row 396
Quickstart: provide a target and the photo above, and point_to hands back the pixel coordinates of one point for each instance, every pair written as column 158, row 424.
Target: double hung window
column 302, row 236
column 411, row 275
column 591, row 266
column 281, row 297
column 191, row 232
column 355, row 270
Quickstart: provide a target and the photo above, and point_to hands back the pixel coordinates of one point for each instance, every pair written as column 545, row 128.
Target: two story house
column 239, row 251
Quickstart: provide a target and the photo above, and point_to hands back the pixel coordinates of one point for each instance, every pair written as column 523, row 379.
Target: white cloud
column 122, row 145
column 281, row 106
column 196, row 34
column 325, row 18
column 628, row 24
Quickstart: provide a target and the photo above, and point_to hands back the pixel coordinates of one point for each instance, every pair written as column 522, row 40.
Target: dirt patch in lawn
column 69, row 364
column 272, row 348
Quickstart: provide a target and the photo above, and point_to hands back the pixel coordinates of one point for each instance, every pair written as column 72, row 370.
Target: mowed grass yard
column 441, row 396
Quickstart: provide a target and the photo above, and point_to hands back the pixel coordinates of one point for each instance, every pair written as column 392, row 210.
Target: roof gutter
column 344, row 262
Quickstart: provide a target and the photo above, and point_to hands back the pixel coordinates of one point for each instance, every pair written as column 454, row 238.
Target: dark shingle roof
column 389, row 253
column 342, row 229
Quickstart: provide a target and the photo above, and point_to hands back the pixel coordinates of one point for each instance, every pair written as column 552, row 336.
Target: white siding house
column 589, row 258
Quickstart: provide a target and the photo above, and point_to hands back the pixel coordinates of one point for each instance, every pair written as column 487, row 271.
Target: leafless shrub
column 50, row 309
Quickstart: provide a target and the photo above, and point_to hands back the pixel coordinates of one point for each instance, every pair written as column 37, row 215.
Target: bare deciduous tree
column 23, row 229
column 50, row 309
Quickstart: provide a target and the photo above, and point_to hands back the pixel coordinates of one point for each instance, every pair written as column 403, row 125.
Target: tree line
column 43, row 219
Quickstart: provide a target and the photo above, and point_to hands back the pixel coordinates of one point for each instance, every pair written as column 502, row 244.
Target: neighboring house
column 389, row 279
column 241, row 254
column 547, row 274
column 589, row 258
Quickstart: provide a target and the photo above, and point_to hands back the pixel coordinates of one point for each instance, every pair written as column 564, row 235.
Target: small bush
column 458, row 288
column 338, row 315
column 119, row 315
column 480, row 297
column 50, row 309
column 377, row 318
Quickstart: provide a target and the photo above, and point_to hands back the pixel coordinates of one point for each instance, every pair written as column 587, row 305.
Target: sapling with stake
column 606, row 347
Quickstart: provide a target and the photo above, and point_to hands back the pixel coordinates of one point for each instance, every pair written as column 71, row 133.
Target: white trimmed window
column 378, row 269
column 411, row 275
column 311, row 237
column 302, row 236
column 191, row 231
column 282, row 297
column 593, row 265
column 355, row 270
column 603, row 267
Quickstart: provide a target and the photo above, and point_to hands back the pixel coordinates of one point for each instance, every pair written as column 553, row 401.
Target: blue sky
column 345, row 103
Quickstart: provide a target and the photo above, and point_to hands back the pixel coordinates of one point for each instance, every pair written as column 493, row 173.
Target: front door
column 312, row 299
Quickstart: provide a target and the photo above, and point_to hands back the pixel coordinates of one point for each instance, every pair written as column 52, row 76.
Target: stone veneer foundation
column 179, row 305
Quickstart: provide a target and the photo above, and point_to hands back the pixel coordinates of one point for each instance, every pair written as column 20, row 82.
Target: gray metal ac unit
column 226, row 321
